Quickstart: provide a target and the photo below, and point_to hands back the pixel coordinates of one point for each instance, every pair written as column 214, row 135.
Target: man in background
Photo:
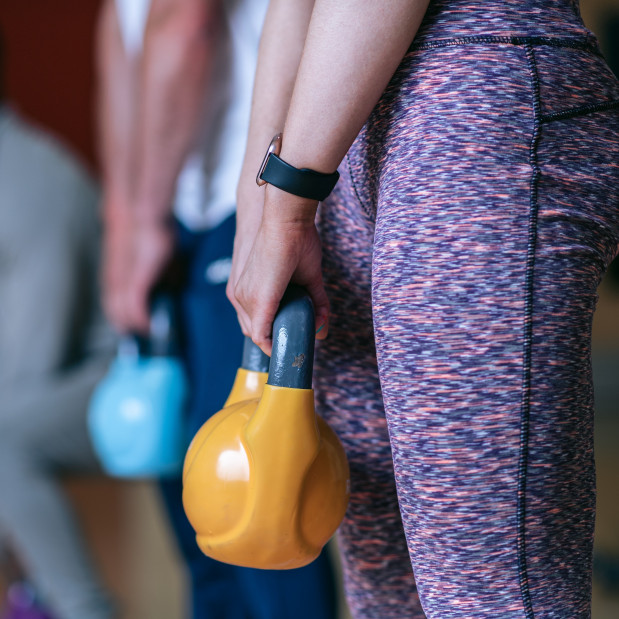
column 176, row 79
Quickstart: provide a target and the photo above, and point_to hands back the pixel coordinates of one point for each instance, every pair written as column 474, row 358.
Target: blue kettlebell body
column 136, row 414
column 136, row 417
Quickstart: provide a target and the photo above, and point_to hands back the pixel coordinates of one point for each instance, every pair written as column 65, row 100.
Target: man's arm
column 150, row 112
column 117, row 101
column 179, row 46
column 116, row 109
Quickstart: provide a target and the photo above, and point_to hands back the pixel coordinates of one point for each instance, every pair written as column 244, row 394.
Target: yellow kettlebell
column 266, row 480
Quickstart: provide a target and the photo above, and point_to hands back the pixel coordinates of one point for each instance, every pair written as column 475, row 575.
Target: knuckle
column 230, row 294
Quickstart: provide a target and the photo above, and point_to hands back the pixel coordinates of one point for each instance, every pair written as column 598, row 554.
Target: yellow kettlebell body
column 268, row 485
column 248, row 385
column 266, row 480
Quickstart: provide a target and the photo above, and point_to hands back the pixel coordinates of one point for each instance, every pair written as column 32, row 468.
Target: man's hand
column 151, row 108
column 116, row 260
column 136, row 253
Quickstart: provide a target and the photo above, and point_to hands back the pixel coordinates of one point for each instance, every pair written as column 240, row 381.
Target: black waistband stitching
column 580, row 111
column 586, row 44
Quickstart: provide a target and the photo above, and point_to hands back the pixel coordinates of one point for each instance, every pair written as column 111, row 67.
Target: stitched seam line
column 366, row 210
column 584, row 43
column 525, row 412
column 580, row 111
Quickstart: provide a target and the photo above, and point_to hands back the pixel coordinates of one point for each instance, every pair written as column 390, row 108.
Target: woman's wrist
column 287, row 209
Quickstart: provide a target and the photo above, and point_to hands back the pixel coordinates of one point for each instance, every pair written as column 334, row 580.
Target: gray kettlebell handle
column 292, row 359
column 254, row 359
column 163, row 328
column 162, row 339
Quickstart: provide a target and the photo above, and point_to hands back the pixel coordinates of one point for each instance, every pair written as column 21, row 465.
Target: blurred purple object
column 21, row 604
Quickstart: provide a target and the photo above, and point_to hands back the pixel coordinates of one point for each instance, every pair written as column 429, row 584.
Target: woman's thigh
column 494, row 226
column 377, row 571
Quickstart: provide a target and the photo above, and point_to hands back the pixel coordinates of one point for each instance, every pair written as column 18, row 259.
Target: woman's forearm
column 281, row 46
column 352, row 49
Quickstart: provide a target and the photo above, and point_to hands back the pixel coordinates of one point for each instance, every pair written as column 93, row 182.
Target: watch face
column 274, row 147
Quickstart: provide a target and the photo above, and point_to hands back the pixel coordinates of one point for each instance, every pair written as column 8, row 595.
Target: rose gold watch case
column 275, row 147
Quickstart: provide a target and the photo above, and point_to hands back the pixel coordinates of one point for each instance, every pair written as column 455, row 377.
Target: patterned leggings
column 477, row 212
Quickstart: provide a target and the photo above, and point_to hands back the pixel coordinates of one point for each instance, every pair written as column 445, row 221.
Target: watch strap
column 299, row 182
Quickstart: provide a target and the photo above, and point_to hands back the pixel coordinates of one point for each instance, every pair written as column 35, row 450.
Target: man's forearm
column 179, row 46
column 116, row 113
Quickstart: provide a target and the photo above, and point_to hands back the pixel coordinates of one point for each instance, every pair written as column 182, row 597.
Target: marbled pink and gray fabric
column 475, row 216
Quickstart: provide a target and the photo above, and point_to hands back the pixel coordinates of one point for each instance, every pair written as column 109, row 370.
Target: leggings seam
column 525, row 411
column 364, row 207
column 579, row 111
column 585, row 43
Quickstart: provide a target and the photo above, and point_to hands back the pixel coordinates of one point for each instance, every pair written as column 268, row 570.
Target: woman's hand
column 286, row 248
column 250, row 205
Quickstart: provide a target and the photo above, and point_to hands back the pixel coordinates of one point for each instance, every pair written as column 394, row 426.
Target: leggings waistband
column 516, row 22
column 584, row 42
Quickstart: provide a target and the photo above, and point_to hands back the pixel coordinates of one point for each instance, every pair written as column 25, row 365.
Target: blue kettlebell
column 135, row 417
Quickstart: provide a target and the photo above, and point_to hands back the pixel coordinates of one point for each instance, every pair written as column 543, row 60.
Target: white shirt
column 206, row 186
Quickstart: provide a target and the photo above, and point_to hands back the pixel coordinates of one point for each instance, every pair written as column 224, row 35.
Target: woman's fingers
column 258, row 294
column 248, row 218
column 242, row 315
column 261, row 332
column 239, row 259
column 317, row 292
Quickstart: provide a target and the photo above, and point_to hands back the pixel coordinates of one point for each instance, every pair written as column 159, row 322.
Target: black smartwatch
column 299, row 182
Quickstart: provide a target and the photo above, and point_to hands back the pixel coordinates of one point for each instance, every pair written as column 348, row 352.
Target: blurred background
column 50, row 79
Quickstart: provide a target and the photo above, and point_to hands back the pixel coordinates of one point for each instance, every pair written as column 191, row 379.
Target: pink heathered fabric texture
column 477, row 211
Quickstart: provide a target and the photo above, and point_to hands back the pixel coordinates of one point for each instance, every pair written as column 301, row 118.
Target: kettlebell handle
column 254, row 360
column 162, row 339
column 163, row 335
column 292, row 358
